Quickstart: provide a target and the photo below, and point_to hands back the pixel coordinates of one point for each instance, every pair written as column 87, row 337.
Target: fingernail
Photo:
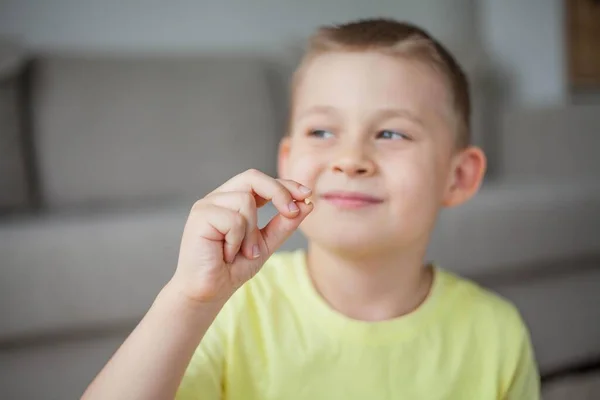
column 255, row 251
column 304, row 189
column 293, row 207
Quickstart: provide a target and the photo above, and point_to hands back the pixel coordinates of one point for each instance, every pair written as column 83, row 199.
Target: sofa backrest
column 551, row 144
column 115, row 129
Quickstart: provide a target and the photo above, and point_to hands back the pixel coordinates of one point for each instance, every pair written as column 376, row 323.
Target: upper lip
column 357, row 196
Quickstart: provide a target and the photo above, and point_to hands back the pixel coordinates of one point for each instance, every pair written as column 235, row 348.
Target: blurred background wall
column 116, row 115
column 536, row 77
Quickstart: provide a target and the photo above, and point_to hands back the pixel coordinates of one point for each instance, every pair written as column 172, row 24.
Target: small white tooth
column 307, row 200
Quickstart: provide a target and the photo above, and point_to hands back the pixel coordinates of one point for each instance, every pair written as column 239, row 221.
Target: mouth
column 351, row 200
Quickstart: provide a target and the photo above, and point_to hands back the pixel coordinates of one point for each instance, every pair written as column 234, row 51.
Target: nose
column 353, row 160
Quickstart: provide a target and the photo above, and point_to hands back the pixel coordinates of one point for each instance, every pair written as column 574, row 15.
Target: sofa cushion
column 551, row 144
column 60, row 368
column 583, row 386
column 124, row 129
column 512, row 224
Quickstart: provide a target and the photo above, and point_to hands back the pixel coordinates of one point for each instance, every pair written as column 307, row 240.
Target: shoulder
column 493, row 329
column 495, row 323
column 475, row 301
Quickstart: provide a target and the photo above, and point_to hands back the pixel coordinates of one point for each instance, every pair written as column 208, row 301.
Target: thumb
column 280, row 228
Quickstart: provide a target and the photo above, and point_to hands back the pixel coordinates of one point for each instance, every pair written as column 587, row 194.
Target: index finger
column 268, row 189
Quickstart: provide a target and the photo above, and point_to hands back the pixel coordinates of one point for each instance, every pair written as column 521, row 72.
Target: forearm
column 153, row 359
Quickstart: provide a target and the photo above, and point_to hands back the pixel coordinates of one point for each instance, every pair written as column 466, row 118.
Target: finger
column 279, row 229
column 245, row 204
column 298, row 191
column 266, row 187
column 224, row 225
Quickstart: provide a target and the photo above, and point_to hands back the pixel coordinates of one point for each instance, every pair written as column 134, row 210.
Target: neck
column 373, row 287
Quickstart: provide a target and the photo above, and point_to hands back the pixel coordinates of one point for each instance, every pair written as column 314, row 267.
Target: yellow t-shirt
column 278, row 339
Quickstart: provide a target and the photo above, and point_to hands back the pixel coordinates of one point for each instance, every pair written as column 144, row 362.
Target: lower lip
column 350, row 203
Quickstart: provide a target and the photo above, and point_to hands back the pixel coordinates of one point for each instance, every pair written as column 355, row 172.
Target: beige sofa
column 102, row 157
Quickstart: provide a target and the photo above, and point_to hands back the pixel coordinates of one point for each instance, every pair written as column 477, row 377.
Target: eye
column 391, row 135
column 320, row 133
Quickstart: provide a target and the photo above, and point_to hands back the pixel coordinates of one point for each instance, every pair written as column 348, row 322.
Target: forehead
column 361, row 81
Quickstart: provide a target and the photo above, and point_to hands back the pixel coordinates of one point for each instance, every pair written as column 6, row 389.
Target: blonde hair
column 393, row 37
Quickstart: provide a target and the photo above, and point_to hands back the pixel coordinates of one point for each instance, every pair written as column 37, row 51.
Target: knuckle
column 254, row 172
column 247, row 200
column 238, row 230
column 287, row 182
column 291, row 185
column 198, row 205
column 238, row 220
column 282, row 193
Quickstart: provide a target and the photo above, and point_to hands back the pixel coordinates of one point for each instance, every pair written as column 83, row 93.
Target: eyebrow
column 383, row 113
column 317, row 110
column 388, row 113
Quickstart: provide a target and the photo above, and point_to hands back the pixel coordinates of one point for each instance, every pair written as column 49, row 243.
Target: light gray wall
column 164, row 26
column 523, row 38
column 526, row 42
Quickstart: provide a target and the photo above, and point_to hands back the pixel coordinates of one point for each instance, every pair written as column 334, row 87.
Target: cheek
column 414, row 198
column 414, row 180
column 304, row 168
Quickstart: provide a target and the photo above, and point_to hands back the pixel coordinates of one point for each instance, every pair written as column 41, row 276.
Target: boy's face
column 374, row 137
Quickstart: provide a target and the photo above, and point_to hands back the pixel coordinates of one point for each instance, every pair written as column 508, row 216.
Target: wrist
column 176, row 295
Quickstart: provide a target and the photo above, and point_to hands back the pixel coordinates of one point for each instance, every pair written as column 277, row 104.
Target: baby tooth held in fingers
column 307, row 201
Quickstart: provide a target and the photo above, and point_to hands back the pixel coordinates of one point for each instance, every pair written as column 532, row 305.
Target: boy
column 379, row 142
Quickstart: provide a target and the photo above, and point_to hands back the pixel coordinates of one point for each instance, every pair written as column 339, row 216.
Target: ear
column 466, row 175
column 283, row 156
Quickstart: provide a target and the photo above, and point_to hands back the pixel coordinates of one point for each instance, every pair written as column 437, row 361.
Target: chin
column 348, row 237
